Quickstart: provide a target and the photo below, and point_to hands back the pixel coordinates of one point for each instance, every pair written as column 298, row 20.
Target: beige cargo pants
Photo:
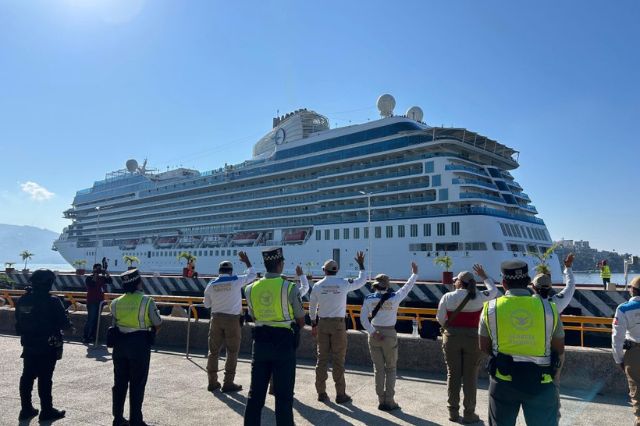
column 632, row 369
column 384, row 354
column 332, row 345
column 224, row 330
column 462, row 355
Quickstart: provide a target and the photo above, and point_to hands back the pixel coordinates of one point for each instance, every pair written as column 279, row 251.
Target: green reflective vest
column 269, row 302
column 605, row 272
column 522, row 326
column 131, row 310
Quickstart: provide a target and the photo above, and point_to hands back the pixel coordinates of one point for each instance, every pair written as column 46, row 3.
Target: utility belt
column 527, row 376
column 628, row 344
column 268, row 334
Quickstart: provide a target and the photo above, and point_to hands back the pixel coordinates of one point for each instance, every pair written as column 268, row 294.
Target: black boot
column 27, row 413
column 52, row 414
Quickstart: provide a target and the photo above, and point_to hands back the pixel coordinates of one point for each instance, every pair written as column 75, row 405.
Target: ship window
column 217, row 253
column 436, row 180
column 515, row 247
column 497, row 246
column 479, row 246
column 327, row 234
column 356, row 233
column 428, row 167
column 504, row 231
column 401, row 231
column 448, row 246
column 199, row 252
column 345, row 233
column 228, row 252
column 426, row 230
column 336, row 234
column 318, row 234
column 440, row 229
column 524, row 233
column 455, row 228
column 443, row 194
column 508, row 228
column 532, row 249
column 421, row 247
column 516, row 228
column 389, row 231
column 235, row 252
column 210, row 252
column 414, row 230
column 366, row 233
column 378, row 232
column 543, row 249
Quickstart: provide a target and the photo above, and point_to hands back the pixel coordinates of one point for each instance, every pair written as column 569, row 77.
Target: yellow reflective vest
column 522, row 327
column 605, row 272
column 131, row 310
column 268, row 299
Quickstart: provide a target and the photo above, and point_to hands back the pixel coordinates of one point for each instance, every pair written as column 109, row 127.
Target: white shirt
column 626, row 326
column 563, row 299
column 224, row 294
column 388, row 313
column 303, row 285
column 450, row 301
column 329, row 296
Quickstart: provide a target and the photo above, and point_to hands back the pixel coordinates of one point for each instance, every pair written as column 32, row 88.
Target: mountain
column 15, row 239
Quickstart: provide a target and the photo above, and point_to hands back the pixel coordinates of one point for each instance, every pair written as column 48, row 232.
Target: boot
column 27, row 413
column 231, row 387
column 454, row 415
column 51, row 414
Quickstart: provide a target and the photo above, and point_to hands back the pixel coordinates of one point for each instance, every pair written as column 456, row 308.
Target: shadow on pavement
column 315, row 416
column 100, row 353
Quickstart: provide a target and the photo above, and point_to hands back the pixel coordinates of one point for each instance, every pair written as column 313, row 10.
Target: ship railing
column 458, row 181
column 459, row 167
column 582, row 324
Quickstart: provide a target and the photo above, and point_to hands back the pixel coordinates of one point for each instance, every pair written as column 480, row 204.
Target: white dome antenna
column 386, row 103
column 415, row 113
column 132, row 165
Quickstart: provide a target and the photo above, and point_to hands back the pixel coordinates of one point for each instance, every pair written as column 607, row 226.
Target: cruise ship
column 396, row 188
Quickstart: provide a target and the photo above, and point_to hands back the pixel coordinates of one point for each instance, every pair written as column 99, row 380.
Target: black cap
column 131, row 277
column 225, row 264
column 42, row 279
column 272, row 254
column 514, row 269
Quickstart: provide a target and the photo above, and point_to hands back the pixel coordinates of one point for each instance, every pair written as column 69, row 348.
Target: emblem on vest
column 521, row 319
column 266, row 299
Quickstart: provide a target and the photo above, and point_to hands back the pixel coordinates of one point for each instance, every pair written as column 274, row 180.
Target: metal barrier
column 571, row 322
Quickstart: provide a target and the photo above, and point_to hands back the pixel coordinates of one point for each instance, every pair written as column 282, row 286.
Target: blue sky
column 87, row 84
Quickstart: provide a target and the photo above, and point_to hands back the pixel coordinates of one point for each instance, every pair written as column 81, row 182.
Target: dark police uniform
column 135, row 315
column 275, row 304
column 39, row 319
column 520, row 328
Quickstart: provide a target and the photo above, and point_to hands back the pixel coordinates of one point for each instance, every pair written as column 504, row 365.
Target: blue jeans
column 93, row 310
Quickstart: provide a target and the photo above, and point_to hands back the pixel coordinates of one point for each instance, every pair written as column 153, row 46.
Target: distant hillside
column 14, row 239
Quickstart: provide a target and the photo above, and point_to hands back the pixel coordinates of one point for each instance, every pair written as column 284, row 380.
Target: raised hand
column 360, row 259
column 299, row 271
column 569, row 260
column 479, row 270
column 414, row 268
column 244, row 258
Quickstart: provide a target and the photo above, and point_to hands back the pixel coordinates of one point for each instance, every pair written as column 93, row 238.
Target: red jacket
column 95, row 290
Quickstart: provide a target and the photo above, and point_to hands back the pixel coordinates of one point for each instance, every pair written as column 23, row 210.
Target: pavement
column 176, row 394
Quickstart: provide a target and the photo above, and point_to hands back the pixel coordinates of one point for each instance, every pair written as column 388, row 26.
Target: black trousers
column 605, row 281
column 41, row 368
column 131, row 356
column 505, row 399
column 274, row 353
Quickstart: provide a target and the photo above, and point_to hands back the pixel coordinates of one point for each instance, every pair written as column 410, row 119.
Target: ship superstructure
column 396, row 188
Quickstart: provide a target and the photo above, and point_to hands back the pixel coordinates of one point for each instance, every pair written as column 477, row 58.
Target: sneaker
column 27, row 413
column 343, row 399
column 231, row 387
column 470, row 418
column 323, row 397
column 51, row 414
column 213, row 386
column 454, row 415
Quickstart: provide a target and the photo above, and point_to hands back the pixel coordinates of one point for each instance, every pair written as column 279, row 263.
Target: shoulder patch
column 350, row 280
column 486, row 292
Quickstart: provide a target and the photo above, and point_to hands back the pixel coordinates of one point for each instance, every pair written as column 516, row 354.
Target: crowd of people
column 520, row 332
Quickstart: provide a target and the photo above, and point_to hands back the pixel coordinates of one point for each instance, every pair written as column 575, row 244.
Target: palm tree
column 26, row 255
column 445, row 261
column 187, row 256
column 543, row 267
column 130, row 260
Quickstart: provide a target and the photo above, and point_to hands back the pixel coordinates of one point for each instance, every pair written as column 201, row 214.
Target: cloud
column 36, row 191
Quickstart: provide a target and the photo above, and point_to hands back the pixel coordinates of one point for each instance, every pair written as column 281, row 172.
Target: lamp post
column 370, row 254
column 95, row 253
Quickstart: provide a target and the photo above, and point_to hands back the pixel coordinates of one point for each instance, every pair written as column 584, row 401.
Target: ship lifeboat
column 129, row 244
column 244, row 238
column 296, row 236
column 187, row 242
column 166, row 242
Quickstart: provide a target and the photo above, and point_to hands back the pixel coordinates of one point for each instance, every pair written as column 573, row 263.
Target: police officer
column 224, row 297
column 136, row 318
column 275, row 305
column 625, row 340
column 39, row 319
column 383, row 306
column 524, row 337
column 327, row 310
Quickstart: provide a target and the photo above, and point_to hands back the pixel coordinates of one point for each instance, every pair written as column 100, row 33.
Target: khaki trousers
column 384, row 354
column 332, row 344
column 224, row 329
column 462, row 355
column 632, row 369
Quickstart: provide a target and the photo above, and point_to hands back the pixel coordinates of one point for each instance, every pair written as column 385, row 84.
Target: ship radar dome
column 415, row 113
column 386, row 103
column 132, row 165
